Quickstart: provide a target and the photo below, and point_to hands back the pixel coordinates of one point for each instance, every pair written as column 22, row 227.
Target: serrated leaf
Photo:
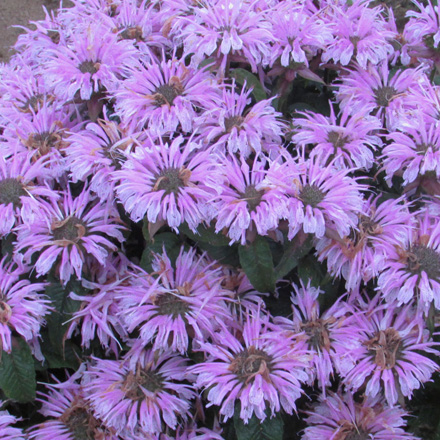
column 256, row 261
column 243, row 76
column 294, row 250
column 17, row 372
column 268, row 429
column 167, row 240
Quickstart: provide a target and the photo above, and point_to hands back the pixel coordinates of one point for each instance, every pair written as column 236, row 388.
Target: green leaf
column 167, row 240
column 227, row 255
column 243, row 76
column 256, row 261
column 7, row 246
column 205, row 235
column 294, row 250
column 17, row 372
column 269, row 429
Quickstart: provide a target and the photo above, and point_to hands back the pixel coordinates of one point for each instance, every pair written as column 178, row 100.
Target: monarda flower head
column 412, row 271
column 167, row 183
column 246, row 203
column 231, row 124
column 21, row 196
column 175, row 305
column 349, row 141
column 318, row 196
column 226, row 30
column 164, row 96
column 339, row 417
column 139, row 398
column 7, row 431
column 393, row 356
column 261, row 371
column 71, row 230
column 22, row 307
column 363, row 254
column 330, row 336
column 70, row 416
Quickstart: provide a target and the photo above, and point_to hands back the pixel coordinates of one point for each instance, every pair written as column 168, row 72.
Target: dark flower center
column 385, row 346
column 252, row 196
column 89, row 67
column 337, row 140
column 132, row 33
column 357, row 435
column 5, row 312
column 171, row 305
column 171, row 179
column 70, row 229
column 384, row 95
column 424, row 259
column 33, row 103
column 10, row 192
column 311, row 195
column 167, row 93
column 142, row 379
column 317, row 332
column 44, row 142
column 233, row 121
column 81, row 424
column 250, row 362
column 367, row 228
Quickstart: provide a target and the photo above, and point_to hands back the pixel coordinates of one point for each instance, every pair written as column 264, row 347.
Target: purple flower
column 164, row 96
column 393, row 355
column 176, row 305
column 348, row 140
column 96, row 152
column 261, row 370
column 331, row 337
column 246, row 203
column 233, row 125
column 70, row 416
column 364, row 253
column 167, row 183
column 70, row 231
column 22, row 307
column 340, row 417
column 227, row 30
column 413, row 151
column 413, row 268
column 21, row 197
column 319, row 196
column 139, row 399
column 7, row 431
column 91, row 62
column 360, row 33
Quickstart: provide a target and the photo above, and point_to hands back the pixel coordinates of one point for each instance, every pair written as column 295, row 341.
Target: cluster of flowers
column 118, row 112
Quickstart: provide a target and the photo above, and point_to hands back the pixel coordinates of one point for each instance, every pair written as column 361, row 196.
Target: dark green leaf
column 243, row 76
column 294, row 250
column 168, row 241
column 7, row 246
column 17, row 372
column 256, row 261
column 205, row 235
column 227, row 255
column 269, row 429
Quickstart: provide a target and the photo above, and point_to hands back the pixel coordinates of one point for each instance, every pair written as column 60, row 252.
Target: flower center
column 89, row 67
column 385, row 347
column 44, row 142
column 135, row 384
column 252, row 196
column 10, row 192
column 81, row 424
column 70, row 229
column 356, row 435
column 171, row 179
column 384, row 95
column 424, row 259
column 167, row 93
column 337, row 140
column 250, row 362
column 5, row 312
column 233, row 121
column 33, row 103
column 170, row 305
column 317, row 332
column 132, row 33
column 311, row 195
